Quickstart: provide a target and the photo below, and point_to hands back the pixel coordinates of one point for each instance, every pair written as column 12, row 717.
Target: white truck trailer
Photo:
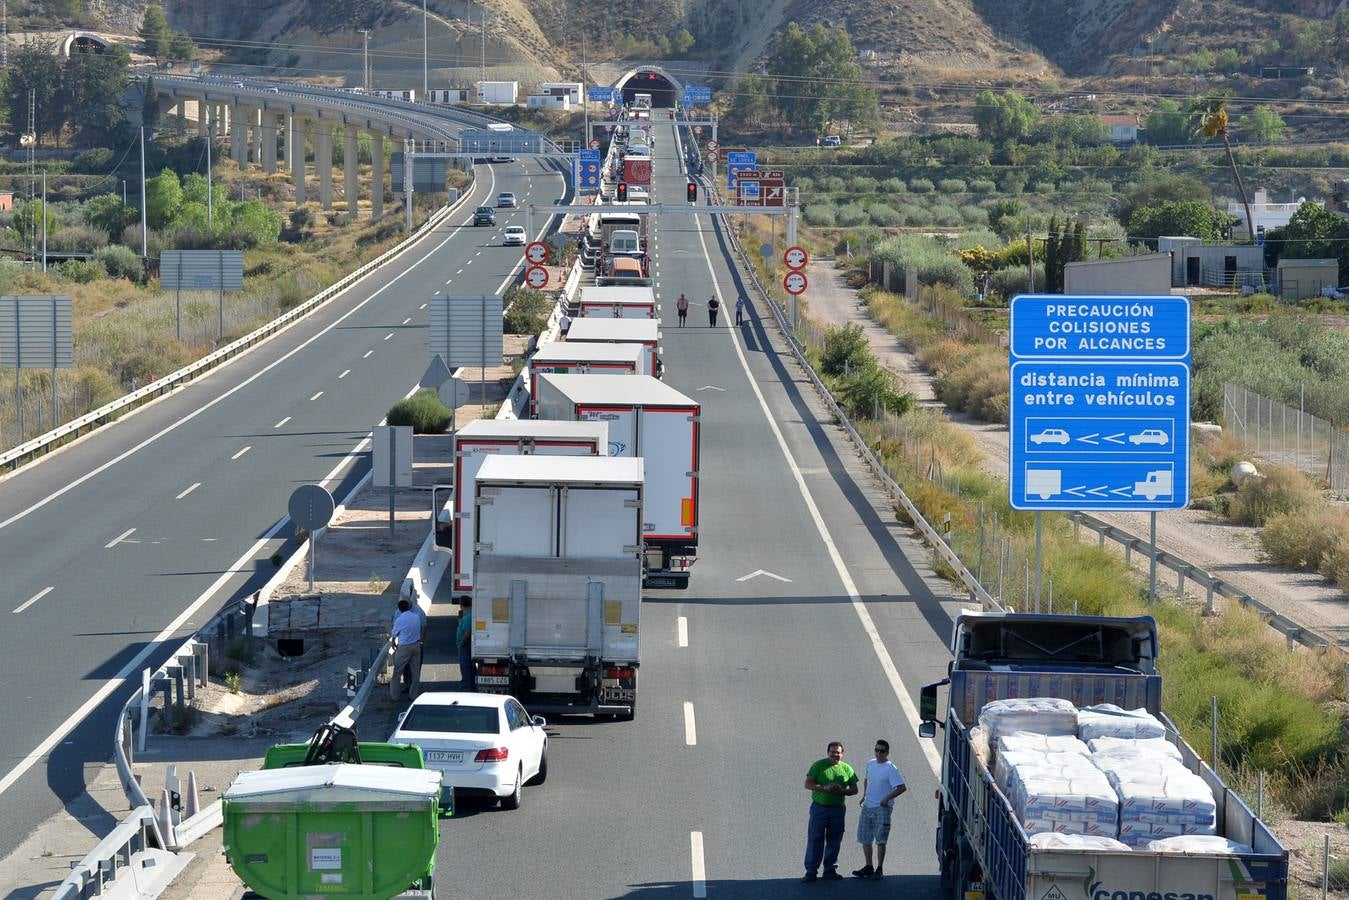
column 566, row 358
column 621, row 331
column 618, row 302
column 558, row 565
column 650, row 419
column 485, row 438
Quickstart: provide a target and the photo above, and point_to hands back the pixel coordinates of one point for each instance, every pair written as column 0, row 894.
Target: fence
column 959, row 323
column 1288, row 436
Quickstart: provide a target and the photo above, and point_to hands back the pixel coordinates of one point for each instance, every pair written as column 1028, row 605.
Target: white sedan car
column 484, row 744
column 514, row 235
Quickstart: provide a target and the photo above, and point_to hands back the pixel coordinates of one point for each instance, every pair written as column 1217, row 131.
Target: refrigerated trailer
column 650, row 419
column 618, row 302
column 485, row 438
column 621, row 331
column 558, row 563
column 566, row 358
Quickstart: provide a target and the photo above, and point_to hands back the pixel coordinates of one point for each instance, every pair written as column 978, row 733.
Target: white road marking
column 459, row 272
column 316, row 396
column 190, row 489
column 696, row 859
column 282, row 422
column 345, row 373
column 757, row 572
column 423, row 306
column 407, row 320
column 682, row 626
column 33, row 599
column 389, row 335
column 117, row 540
column 367, row 353
column 859, row 607
column 242, row 452
column 690, row 732
column 709, row 387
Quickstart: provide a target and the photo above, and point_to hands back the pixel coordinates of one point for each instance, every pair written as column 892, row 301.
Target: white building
column 548, row 101
column 1123, row 129
column 571, row 89
column 1195, row 264
column 500, row 93
column 1266, row 214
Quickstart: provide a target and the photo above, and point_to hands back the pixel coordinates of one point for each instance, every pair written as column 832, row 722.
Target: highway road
column 121, row 545
column 744, row 677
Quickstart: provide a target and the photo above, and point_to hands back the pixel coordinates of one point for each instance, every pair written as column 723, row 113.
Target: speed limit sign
column 697, row 129
column 712, row 155
column 713, row 146
column 537, row 252
column 537, row 277
column 796, row 257
column 794, row 282
column 594, row 143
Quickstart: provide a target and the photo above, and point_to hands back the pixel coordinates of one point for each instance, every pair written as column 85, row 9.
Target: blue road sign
column 696, row 95
column 600, row 94
column 736, row 162
column 1100, row 403
column 749, row 190
column 590, row 170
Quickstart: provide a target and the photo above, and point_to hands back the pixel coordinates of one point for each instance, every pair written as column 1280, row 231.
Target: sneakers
column 864, row 872
column 832, row 875
column 809, row 877
column 876, row 875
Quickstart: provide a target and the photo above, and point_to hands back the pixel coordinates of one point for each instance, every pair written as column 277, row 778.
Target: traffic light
column 621, row 192
column 693, row 192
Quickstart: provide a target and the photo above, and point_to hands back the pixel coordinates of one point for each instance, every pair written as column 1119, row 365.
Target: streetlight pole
column 210, row 139
column 426, row 92
column 483, row 76
column 365, row 60
column 145, row 243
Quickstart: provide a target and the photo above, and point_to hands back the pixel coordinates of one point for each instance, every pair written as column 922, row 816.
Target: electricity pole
column 483, row 76
column 210, row 138
column 145, row 244
column 426, row 93
column 365, row 60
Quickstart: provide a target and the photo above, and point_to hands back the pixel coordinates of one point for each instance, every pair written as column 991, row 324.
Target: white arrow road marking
column 1098, row 491
column 1076, row 491
column 1089, row 438
column 757, row 572
column 709, row 387
column 1115, row 438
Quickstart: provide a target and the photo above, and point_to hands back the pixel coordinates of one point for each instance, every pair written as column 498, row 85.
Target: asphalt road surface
column 744, row 677
column 120, row 546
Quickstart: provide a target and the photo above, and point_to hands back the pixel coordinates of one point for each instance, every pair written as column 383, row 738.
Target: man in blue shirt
column 407, row 654
column 463, row 642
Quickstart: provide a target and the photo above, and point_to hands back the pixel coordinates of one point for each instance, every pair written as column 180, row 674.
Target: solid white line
column 859, row 607
column 189, row 490
column 683, row 629
column 699, row 871
column 345, row 373
column 282, row 422
column 690, row 731
column 316, row 396
column 367, row 353
column 242, row 452
column 115, row 541
column 33, row 599
column 389, row 335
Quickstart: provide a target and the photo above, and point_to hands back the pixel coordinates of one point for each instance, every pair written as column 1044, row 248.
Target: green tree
column 1004, row 117
column 681, row 44
column 35, row 66
column 1162, row 188
column 817, row 79
column 181, row 46
column 1186, row 218
column 107, row 213
column 154, row 32
column 1263, row 125
column 750, row 99
column 1004, row 217
column 256, row 223
column 1312, row 233
column 1167, row 125
column 163, row 199
column 150, row 107
column 94, row 84
column 1210, row 117
column 27, row 220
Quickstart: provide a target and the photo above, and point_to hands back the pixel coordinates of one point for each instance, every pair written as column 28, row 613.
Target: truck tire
column 513, row 800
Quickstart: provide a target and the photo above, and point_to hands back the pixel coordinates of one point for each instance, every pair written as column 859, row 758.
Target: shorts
column 873, row 825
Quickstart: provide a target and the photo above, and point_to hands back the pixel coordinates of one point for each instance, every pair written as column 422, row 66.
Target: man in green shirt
column 829, row 780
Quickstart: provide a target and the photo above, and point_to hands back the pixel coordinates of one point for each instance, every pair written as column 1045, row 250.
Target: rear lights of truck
column 489, row 669
column 492, row 754
column 620, row 673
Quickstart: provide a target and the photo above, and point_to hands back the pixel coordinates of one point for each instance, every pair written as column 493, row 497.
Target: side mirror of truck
column 442, row 515
column 927, row 709
column 927, row 729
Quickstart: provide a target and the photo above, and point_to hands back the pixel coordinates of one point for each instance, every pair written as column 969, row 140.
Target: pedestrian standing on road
column 829, row 780
column 564, row 324
column 713, row 304
column 463, row 642
column 682, row 305
column 740, row 306
column 407, row 652
column 882, row 784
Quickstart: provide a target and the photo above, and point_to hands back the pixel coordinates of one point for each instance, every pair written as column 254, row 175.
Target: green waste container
column 363, row 832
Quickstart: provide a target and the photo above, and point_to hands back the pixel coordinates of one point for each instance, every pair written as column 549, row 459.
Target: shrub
column 1281, row 490
column 1014, row 182
column 527, row 310
column 82, row 271
column 861, row 184
column 946, row 216
column 833, row 184
column 851, row 215
column 97, row 161
column 821, row 215
column 77, row 239
column 1043, row 187
column 805, row 184
column 885, row 216
column 982, row 186
column 845, row 350
column 94, row 388
column 423, row 411
column 152, row 357
column 1337, row 879
column 952, row 186
column 871, row 390
column 971, row 214
column 1303, row 540
column 921, row 185
column 977, row 384
column 894, row 186
column 120, row 262
column 935, row 264
column 10, row 269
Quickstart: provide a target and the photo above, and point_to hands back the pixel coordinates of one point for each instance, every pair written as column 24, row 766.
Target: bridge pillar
column 268, row 142
column 323, row 159
column 255, row 118
column 376, row 174
column 238, row 135
column 295, row 144
column 201, row 119
column 352, row 187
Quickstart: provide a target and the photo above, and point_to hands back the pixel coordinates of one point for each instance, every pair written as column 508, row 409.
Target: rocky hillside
column 539, row 39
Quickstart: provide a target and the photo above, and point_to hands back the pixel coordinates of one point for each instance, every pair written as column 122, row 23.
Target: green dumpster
column 363, row 832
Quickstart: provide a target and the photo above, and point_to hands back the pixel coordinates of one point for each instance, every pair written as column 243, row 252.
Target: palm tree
column 1210, row 119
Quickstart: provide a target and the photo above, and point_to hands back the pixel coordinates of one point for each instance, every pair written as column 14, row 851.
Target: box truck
column 648, row 419
column 558, row 564
column 618, row 302
column 485, row 438
column 566, row 358
column 621, row 331
column 1178, row 830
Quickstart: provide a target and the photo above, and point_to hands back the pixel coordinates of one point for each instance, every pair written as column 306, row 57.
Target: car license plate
column 494, row 679
column 445, row 756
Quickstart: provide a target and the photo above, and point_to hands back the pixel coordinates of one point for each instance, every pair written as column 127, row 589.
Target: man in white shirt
column 882, row 784
column 407, row 635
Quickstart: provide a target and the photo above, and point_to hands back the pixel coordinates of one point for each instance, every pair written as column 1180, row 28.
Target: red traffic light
column 693, row 192
column 621, row 192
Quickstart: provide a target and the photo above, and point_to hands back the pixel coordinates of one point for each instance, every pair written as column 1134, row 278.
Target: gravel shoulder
column 1197, row 536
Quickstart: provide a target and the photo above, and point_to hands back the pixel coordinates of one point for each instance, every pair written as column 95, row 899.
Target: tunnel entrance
column 663, row 91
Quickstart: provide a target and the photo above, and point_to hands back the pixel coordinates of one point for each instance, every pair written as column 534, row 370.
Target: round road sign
column 536, row 252
column 713, row 146
column 794, row 282
column 796, row 257
column 310, row 506
column 609, row 128
column 536, row 277
column 594, row 143
column 712, row 155
column 697, row 129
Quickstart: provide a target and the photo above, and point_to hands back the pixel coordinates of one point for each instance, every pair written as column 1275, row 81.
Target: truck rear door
column 668, row 440
column 524, row 514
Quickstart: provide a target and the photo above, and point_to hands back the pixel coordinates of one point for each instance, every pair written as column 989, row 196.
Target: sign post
column 1100, row 405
